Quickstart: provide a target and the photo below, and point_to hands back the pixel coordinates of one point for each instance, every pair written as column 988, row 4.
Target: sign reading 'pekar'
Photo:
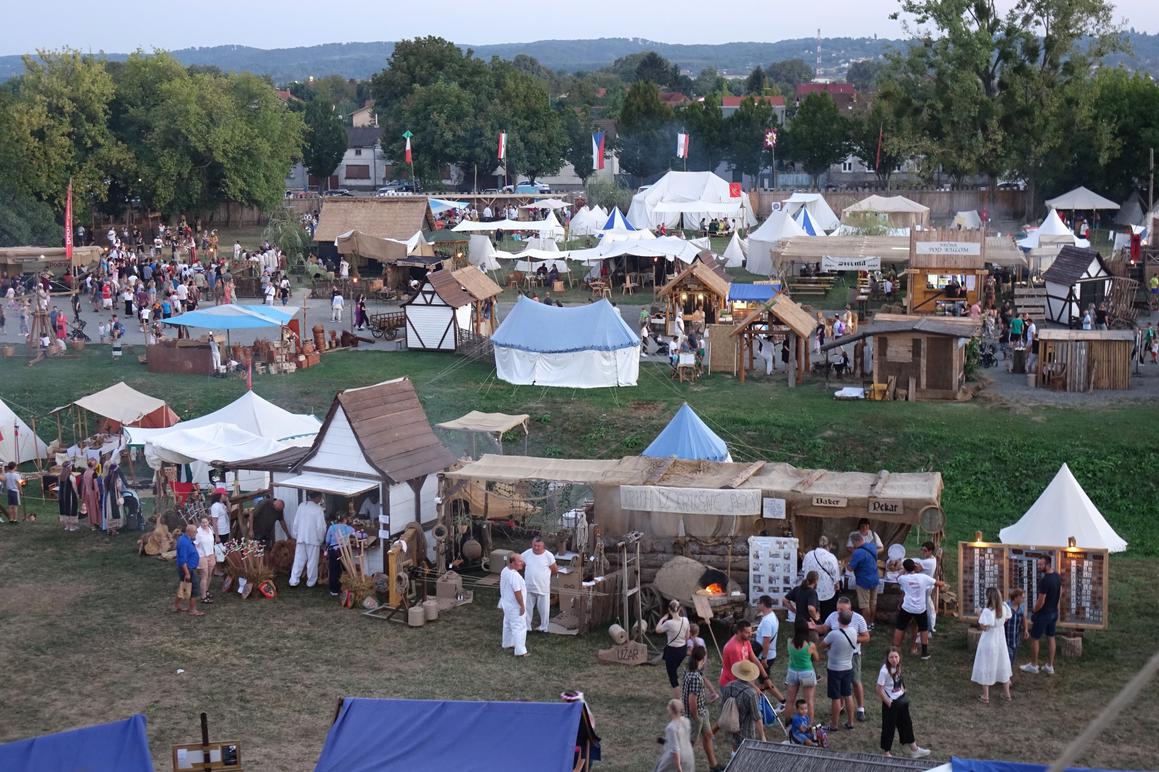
column 885, row 507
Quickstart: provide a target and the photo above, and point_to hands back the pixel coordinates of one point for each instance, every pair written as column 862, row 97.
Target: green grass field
column 87, row 636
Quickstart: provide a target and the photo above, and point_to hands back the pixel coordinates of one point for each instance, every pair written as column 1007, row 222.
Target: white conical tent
column 481, row 253
column 805, row 220
column 736, row 251
column 17, row 441
column 588, row 221
column 1061, row 511
column 817, row 207
column 778, row 227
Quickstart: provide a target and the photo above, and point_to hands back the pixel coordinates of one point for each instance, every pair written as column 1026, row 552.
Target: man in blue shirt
column 187, row 560
column 337, row 534
column 863, row 563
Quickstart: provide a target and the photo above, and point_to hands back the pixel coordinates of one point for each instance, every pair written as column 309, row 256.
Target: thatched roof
column 756, row 756
column 713, row 280
column 396, row 217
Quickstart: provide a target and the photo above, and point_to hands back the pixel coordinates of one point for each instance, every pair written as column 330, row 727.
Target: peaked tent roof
column 1081, row 199
column 207, row 444
column 817, row 207
column 1052, row 225
column 482, row 253
column 17, row 441
column 1132, row 211
column 250, row 412
column 736, row 251
column 424, row 747
column 588, row 221
column 764, row 239
column 127, row 406
column 805, row 220
column 617, row 223
column 891, row 204
column 543, row 329
column 118, row 746
column 688, row 437
column 1061, row 511
column 969, row 220
column 689, row 196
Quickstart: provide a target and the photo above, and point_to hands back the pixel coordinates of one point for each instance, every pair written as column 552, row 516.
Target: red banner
column 734, row 189
column 68, row 224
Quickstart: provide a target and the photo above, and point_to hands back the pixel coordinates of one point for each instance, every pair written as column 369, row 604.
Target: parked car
column 338, row 192
column 531, row 188
column 398, row 188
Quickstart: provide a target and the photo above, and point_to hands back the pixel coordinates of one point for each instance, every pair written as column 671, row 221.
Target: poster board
column 1084, row 573
column 773, row 568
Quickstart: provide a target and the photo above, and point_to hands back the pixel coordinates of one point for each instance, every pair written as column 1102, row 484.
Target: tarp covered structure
column 124, row 405
column 546, row 735
column 1061, row 511
column 486, row 423
column 688, row 437
column 817, row 207
column 683, row 199
column 1080, row 199
column 17, row 441
column 765, row 239
column 118, row 746
column 206, row 444
column 234, row 317
column 640, row 244
column 547, row 203
column 17, row 260
column 250, row 412
column 578, row 346
column 384, row 250
column 899, row 210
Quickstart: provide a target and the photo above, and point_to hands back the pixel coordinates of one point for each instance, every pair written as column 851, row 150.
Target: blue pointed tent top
column 805, row 220
column 688, row 437
column 617, row 222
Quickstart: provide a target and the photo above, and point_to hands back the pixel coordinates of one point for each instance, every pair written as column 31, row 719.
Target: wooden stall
column 699, row 292
column 1085, row 573
column 394, row 217
column 1084, row 360
column 780, row 318
column 947, row 271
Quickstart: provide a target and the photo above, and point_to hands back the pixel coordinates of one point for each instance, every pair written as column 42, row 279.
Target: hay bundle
column 280, row 558
column 158, row 541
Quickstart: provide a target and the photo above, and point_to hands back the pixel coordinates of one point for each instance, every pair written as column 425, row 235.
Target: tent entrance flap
column 329, row 483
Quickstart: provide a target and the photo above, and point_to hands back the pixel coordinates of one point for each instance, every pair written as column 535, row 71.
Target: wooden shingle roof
column 449, row 289
column 395, row 217
column 1070, row 265
column 478, row 284
column 785, row 311
column 713, row 280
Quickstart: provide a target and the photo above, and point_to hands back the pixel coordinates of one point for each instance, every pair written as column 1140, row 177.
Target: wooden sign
column 970, row 248
column 207, row 757
column 885, row 507
column 836, row 502
column 1083, row 602
column 979, row 566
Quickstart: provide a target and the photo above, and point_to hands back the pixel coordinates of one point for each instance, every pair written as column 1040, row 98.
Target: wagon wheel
column 391, row 332
column 652, row 605
column 376, row 330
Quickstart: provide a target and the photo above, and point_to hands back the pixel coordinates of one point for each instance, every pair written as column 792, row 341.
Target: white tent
column 617, row 224
column 817, row 207
column 202, row 445
column 640, row 244
column 583, row 347
column 588, row 221
column 548, row 226
column 547, row 203
column 899, row 210
column 685, row 198
column 541, row 250
column 969, row 220
column 1081, row 199
column 736, row 251
column 764, row 239
column 481, row 253
column 17, row 441
column 1061, row 511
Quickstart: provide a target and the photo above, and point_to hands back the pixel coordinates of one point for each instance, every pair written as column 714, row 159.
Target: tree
column 863, row 74
column 706, row 125
column 709, row 83
column 324, row 140
column 787, row 74
column 422, row 62
column 646, row 141
column 655, row 69
column 24, row 220
column 881, row 133
column 744, row 136
column 577, row 126
column 756, row 82
column 535, row 136
column 817, row 136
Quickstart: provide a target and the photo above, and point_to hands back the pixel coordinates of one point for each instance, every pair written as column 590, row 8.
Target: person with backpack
column 740, row 713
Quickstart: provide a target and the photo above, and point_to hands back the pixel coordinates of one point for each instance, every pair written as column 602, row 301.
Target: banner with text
column 691, row 501
column 956, row 248
column 829, row 263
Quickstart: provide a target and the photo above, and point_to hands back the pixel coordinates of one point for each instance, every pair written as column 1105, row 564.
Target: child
column 695, row 640
column 102, row 331
column 1017, row 625
column 801, row 725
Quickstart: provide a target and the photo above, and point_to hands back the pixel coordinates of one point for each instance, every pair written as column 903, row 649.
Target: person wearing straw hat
column 742, row 690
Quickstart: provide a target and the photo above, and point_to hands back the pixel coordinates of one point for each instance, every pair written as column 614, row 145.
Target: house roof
column 478, row 285
column 887, row 324
column 671, row 98
column 363, row 136
column 396, row 217
column 713, row 279
column 1070, row 265
column 844, row 89
column 392, row 430
column 784, row 310
column 756, row 756
column 734, row 101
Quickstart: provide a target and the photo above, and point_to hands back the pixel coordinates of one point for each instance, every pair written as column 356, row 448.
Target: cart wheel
column 376, row 332
column 391, row 333
column 652, row 605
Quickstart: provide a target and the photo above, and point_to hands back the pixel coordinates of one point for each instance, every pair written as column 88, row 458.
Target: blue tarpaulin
column 438, row 736
column 235, row 317
column 687, row 436
column 979, row 765
column 752, row 293
column 544, row 329
column 119, row 746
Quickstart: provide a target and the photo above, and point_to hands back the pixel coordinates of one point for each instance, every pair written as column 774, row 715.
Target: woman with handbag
column 895, row 714
column 675, row 626
column 206, row 556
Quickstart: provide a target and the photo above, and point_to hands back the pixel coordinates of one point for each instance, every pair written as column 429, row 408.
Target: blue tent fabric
column 805, row 220
column 235, row 317
column 752, row 293
column 544, row 329
column 687, row 437
column 438, row 735
column 119, row 746
column 980, row 765
column 617, row 221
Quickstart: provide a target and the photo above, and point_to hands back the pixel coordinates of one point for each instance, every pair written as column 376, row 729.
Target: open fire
column 715, row 589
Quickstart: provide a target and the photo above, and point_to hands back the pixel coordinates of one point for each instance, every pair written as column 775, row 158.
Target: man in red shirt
column 738, row 648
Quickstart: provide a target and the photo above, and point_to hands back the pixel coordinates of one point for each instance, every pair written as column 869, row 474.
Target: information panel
column 979, row 566
column 773, row 568
column 1084, row 588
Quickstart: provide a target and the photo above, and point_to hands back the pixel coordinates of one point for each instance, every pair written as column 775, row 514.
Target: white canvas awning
column 1081, row 199
column 120, row 402
column 329, row 483
column 487, row 423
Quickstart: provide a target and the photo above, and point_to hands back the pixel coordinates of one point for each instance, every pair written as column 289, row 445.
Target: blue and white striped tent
column 805, row 220
column 617, row 223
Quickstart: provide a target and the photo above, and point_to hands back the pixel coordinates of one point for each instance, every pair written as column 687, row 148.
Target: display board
column 773, row 568
column 1085, row 575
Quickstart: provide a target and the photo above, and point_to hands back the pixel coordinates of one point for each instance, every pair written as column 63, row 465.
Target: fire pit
column 683, row 578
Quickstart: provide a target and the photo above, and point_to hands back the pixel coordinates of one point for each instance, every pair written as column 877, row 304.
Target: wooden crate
column 1031, row 300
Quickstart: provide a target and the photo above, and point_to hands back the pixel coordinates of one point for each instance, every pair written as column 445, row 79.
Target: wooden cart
column 387, row 325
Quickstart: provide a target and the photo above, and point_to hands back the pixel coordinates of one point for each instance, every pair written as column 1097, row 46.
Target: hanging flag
column 409, row 157
column 598, row 150
column 68, row 223
column 502, row 145
column 770, row 139
column 734, row 190
column 880, row 137
column 682, row 145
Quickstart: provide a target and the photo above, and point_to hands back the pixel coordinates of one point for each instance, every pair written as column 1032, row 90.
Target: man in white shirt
column 219, row 513
column 336, row 305
column 512, row 600
column 309, row 532
column 766, row 637
column 928, row 563
column 828, row 571
column 487, row 216
column 916, row 587
column 537, row 575
column 236, row 250
column 859, row 626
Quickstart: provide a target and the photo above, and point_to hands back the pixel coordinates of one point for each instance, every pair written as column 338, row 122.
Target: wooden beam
column 807, row 483
column 743, row 475
column 659, row 471
column 879, row 483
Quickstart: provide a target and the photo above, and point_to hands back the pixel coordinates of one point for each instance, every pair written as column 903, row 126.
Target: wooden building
column 781, row 318
column 947, row 271
column 1084, row 360
column 699, row 288
column 1077, row 278
column 450, row 307
column 394, row 217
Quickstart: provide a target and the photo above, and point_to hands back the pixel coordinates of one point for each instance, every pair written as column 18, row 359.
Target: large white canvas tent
column 899, row 210
column 735, row 253
column 640, row 245
column 764, row 239
column 18, row 442
column 250, row 412
column 1081, row 199
column 582, row 347
column 549, row 226
column 201, row 446
column 588, row 221
column 683, row 199
column 968, row 220
column 817, row 207
column 1061, row 511
column 482, row 254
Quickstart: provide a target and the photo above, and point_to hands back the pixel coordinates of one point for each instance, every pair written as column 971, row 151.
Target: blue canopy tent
column 440, row 735
column 119, row 746
column 617, row 223
column 688, row 437
column 980, row 765
column 805, row 220
column 752, row 293
column 234, row 317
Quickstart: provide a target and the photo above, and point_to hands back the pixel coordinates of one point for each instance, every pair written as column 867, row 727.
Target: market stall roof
column 548, row 226
column 515, row 468
column 751, row 293
column 118, row 746
column 207, row 444
column 338, row 485
column 125, row 405
column 1001, row 250
column 32, row 259
column 487, row 423
column 547, row 203
column 712, row 278
column 393, row 217
column 384, row 250
column 887, row 204
column 640, row 244
column 891, row 249
column 1082, row 199
column 546, row 734
column 278, row 461
column 539, row 249
column 1070, row 265
column 18, row 442
column 687, row 436
column 249, row 412
column 476, row 283
column 785, row 310
column 1061, row 511
column 234, row 317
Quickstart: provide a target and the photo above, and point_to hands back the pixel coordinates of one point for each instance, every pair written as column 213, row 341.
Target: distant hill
column 361, row 60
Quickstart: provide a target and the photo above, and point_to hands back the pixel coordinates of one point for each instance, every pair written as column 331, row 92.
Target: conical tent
column 687, row 437
column 481, row 253
column 736, row 251
column 805, row 220
column 778, row 227
column 17, row 442
column 817, row 206
column 617, row 223
column 1061, row 511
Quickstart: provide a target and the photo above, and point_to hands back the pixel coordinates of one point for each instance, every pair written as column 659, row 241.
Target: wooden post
column 384, row 497
column 792, row 368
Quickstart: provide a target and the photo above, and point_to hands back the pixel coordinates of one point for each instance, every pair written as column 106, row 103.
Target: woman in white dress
column 677, row 755
column 992, row 661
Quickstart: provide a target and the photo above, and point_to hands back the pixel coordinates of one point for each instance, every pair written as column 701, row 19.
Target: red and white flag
column 682, row 145
column 502, row 145
column 598, row 150
column 68, row 224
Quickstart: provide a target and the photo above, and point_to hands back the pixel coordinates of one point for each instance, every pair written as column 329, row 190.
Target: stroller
column 76, row 330
column 770, row 716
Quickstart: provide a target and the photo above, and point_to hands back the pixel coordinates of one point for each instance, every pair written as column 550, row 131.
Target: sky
column 119, row 26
